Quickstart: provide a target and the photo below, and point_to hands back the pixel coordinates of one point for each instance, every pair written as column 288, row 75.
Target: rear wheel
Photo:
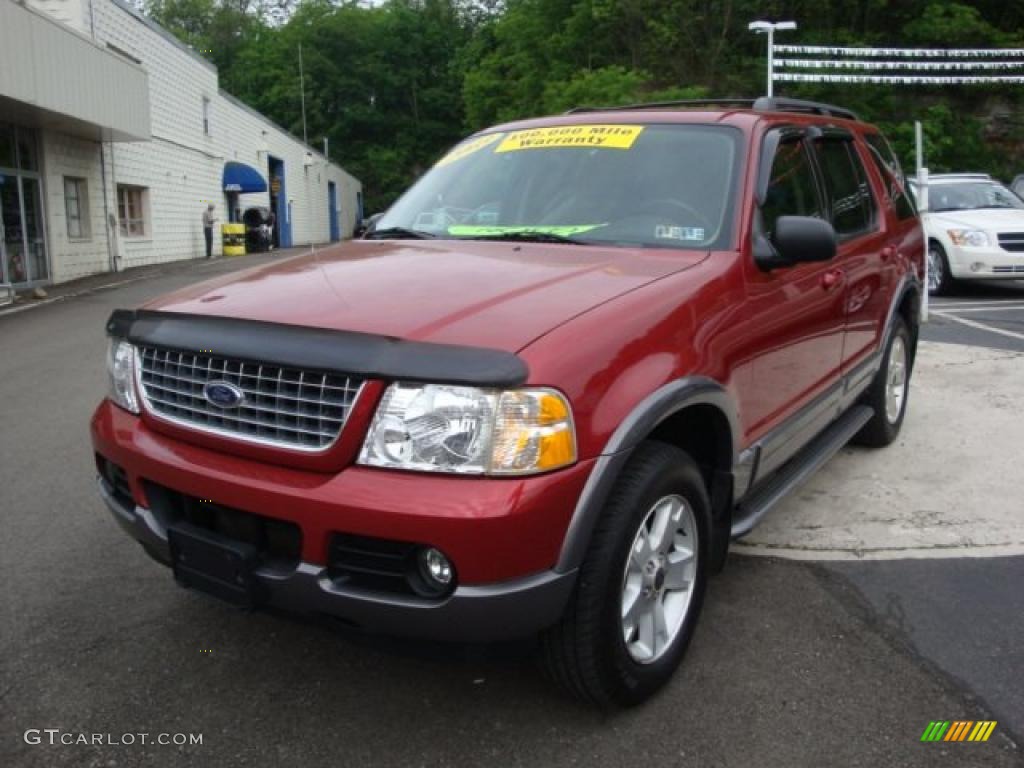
column 940, row 280
column 641, row 585
column 889, row 390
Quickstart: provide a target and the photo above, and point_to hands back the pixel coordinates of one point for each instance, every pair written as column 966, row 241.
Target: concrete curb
column 948, row 487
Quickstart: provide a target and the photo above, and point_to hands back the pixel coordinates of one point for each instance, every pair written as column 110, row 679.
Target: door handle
column 888, row 252
column 831, row 279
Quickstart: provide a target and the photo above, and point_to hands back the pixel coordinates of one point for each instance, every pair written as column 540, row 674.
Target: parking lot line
column 972, row 303
column 979, row 326
column 961, row 310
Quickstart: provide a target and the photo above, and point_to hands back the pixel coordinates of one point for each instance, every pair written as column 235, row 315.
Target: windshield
column 628, row 185
column 968, row 196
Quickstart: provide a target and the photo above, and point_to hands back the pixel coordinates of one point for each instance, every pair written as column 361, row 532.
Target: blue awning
column 239, row 177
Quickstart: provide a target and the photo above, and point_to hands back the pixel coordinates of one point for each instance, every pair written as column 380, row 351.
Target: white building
column 113, row 138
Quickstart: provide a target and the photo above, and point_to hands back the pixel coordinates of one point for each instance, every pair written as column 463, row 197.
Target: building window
column 7, row 157
column 123, row 52
column 131, row 210
column 76, row 206
column 206, row 115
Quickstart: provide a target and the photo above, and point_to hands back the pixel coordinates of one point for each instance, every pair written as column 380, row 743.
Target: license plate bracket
column 210, row 563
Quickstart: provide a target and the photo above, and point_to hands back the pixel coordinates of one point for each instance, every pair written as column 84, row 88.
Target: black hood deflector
column 322, row 349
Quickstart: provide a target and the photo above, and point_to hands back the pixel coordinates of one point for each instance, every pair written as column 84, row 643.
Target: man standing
column 208, row 219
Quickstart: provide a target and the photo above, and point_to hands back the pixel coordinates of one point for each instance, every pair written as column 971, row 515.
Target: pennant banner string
column 921, row 66
column 793, row 77
column 953, row 53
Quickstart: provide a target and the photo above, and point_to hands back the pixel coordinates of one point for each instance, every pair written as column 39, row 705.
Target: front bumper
column 989, row 263
column 511, row 609
column 503, row 535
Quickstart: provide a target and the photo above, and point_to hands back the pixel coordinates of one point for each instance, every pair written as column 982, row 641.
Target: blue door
column 332, row 211
column 279, row 203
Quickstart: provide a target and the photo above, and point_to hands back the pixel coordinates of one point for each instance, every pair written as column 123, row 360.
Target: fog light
column 977, row 266
column 436, row 569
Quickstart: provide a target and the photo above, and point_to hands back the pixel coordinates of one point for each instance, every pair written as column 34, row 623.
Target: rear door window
column 846, row 188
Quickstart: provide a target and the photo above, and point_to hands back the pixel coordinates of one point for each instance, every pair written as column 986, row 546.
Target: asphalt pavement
column 984, row 314
column 964, row 615
column 795, row 663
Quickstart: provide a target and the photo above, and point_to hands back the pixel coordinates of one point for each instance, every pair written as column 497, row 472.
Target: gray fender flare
column 908, row 284
column 642, row 420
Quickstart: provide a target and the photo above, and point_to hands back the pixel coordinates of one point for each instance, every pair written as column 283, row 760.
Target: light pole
column 769, row 28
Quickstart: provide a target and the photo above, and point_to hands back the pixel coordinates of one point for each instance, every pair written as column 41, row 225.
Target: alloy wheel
column 658, row 581
column 896, row 383
column 936, row 269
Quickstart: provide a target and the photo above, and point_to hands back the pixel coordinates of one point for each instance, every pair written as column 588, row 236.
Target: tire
column 890, row 389
column 940, row 280
column 588, row 652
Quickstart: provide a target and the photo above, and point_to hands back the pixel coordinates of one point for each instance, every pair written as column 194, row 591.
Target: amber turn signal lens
column 533, row 432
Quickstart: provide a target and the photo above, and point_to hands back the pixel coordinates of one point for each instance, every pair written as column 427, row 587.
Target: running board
column 822, row 448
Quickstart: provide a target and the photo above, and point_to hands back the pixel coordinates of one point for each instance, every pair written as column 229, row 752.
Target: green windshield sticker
column 468, row 148
column 565, row 230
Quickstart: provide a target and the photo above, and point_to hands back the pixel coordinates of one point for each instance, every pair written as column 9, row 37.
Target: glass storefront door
column 23, row 256
column 13, row 241
column 32, row 220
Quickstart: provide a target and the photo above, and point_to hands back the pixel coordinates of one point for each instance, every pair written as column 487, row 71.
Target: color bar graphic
column 959, row 730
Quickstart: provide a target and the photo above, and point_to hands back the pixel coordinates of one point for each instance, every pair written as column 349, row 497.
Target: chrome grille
column 1012, row 241
column 285, row 407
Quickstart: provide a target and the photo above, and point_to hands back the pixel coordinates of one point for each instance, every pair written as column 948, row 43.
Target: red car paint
column 606, row 326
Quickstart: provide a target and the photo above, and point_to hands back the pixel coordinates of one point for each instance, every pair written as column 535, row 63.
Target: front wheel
column 641, row 586
column 940, row 280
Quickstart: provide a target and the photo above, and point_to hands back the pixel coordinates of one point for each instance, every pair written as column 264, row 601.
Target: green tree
column 216, row 29
column 393, row 84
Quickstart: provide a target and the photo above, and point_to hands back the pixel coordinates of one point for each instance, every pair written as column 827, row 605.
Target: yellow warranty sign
column 586, row 136
column 469, row 147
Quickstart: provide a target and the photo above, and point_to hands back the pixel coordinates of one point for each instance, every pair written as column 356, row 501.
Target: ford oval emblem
column 222, row 394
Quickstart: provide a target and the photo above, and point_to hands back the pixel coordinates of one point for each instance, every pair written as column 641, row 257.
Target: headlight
column 974, row 238
column 121, row 367
column 465, row 430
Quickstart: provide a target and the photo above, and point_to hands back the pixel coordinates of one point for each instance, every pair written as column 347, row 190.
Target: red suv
column 542, row 393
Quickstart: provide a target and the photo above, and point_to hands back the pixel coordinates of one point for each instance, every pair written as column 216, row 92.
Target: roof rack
column 763, row 104
column 748, row 103
column 978, row 176
column 769, row 104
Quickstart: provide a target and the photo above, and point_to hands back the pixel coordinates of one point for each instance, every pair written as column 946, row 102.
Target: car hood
column 989, row 219
column 489, row 294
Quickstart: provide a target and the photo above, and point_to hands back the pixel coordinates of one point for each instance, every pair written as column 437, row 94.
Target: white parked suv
column 975, row 229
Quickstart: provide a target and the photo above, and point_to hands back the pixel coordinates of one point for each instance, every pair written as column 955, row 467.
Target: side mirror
column 797, row 239
column 367, row 225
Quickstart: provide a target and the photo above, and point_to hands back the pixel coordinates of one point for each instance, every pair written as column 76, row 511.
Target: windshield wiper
column 527, row 236
column 398, row 233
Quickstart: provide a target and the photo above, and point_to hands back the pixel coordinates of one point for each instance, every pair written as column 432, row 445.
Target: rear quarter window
column 892, row 175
